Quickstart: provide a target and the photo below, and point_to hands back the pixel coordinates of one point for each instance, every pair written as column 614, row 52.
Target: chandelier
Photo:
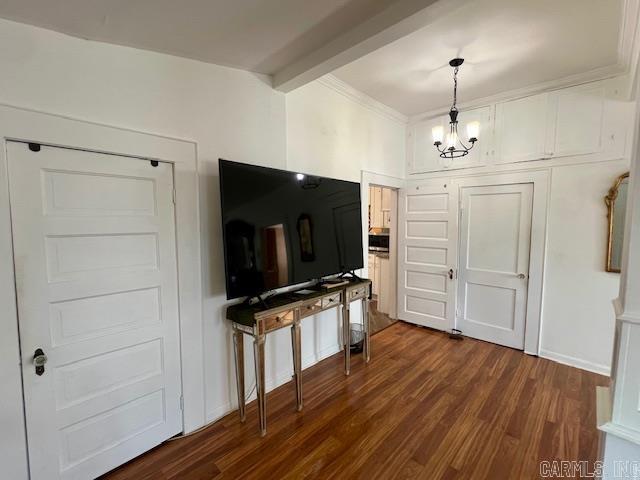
column 454, row 147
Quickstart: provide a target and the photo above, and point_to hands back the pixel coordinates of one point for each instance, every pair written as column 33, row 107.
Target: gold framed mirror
column 616, row 201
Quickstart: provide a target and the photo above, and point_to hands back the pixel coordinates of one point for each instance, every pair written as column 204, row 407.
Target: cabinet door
column 384, row 291
column 423, row 156
column 377, row 213
column 386, row 199
column 375, row 203
column 375, row 278
column 521, row 129
column 578, row 120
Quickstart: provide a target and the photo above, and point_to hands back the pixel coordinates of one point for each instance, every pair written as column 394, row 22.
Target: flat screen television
column 282, row 228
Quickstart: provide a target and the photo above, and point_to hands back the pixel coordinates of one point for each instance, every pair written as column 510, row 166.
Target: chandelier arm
column 464, row 146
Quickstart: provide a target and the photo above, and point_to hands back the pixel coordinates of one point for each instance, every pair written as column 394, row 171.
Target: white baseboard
column 576, row 362
column 272, row 383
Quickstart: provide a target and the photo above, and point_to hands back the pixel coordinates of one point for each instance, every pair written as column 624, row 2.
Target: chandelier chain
column 455, row 88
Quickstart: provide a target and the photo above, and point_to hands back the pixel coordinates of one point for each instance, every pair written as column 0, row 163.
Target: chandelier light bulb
column 438, row 134
column 452, row 139
column 473, row 131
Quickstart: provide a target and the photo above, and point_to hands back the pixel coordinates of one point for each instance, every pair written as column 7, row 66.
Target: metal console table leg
column 258, row 355
column 238, row 347
column 297, row 362
column 346, row 335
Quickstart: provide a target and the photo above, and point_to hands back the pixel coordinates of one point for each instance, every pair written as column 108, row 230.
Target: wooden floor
column 378, row 320
column 425, row 407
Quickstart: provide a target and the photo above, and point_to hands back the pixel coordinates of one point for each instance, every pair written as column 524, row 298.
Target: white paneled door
column 426, row 255
column 95, row 263
column 495, row 236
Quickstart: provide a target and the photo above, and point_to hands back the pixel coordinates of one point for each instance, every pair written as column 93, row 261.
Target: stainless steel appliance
column 379, row 242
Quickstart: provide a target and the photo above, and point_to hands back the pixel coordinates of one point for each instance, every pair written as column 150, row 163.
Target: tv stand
column 287, row 310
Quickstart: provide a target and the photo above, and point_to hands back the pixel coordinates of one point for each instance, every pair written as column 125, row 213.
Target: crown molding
column 346, row 90
column 597, row 74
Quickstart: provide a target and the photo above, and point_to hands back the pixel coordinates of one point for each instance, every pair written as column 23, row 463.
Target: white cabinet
column 563, row 123
column 423, row 156
column 592, row 121
column 375, row 207
column 578, row 113
column 521, row 129
column 384, row 285
column 374, row 273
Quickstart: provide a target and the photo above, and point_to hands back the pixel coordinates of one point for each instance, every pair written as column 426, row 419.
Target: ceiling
column 399, row 49
column 507, row 45
column 258, row 35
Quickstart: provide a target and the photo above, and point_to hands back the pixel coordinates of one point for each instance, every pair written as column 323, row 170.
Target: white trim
column 591, row 76
column 25, row 125
column 537, row 253
column 575, row 362
column 362, row 99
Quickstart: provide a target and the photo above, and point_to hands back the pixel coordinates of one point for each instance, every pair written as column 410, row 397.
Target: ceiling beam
column 398, row 20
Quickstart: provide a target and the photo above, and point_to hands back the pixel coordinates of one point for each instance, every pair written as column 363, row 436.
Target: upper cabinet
column 578, row 115
column 587, row 120
column 521, row 129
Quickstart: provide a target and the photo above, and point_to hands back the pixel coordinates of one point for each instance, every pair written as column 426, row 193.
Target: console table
column 287, row 310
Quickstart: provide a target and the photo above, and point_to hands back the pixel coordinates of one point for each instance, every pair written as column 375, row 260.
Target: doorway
column 493, row 273
column 382, row 237
column 97, row 292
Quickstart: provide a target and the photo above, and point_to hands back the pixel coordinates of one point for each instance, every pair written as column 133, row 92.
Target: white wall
column 578, row 319
column 230, row 114
column 329, row 134
column 332, row 135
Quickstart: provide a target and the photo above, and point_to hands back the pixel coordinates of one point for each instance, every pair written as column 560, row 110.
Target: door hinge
column 181, row 402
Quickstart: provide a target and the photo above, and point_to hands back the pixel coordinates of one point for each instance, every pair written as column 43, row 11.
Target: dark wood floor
column 378, row 320
column 425, row 407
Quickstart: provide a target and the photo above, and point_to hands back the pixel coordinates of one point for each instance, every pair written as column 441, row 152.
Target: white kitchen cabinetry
column 521, row 129
column 384, row 284
column 386, row 207
column 374, row 273
column 375, row 205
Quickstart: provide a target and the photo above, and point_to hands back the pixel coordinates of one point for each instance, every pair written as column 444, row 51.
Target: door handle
column 39, row 360
column 451, row 274
column 522, row 276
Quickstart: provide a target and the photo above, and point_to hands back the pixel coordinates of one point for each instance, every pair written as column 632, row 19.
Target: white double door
column 464, row 259
column 95, row 263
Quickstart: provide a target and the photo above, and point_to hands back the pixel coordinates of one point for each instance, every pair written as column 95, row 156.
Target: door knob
column 522, row 276
column 39, row 360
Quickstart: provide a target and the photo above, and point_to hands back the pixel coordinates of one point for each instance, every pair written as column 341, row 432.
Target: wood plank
column 425, row 407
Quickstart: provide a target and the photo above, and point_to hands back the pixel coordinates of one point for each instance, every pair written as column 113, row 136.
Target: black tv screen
column 281, row 228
